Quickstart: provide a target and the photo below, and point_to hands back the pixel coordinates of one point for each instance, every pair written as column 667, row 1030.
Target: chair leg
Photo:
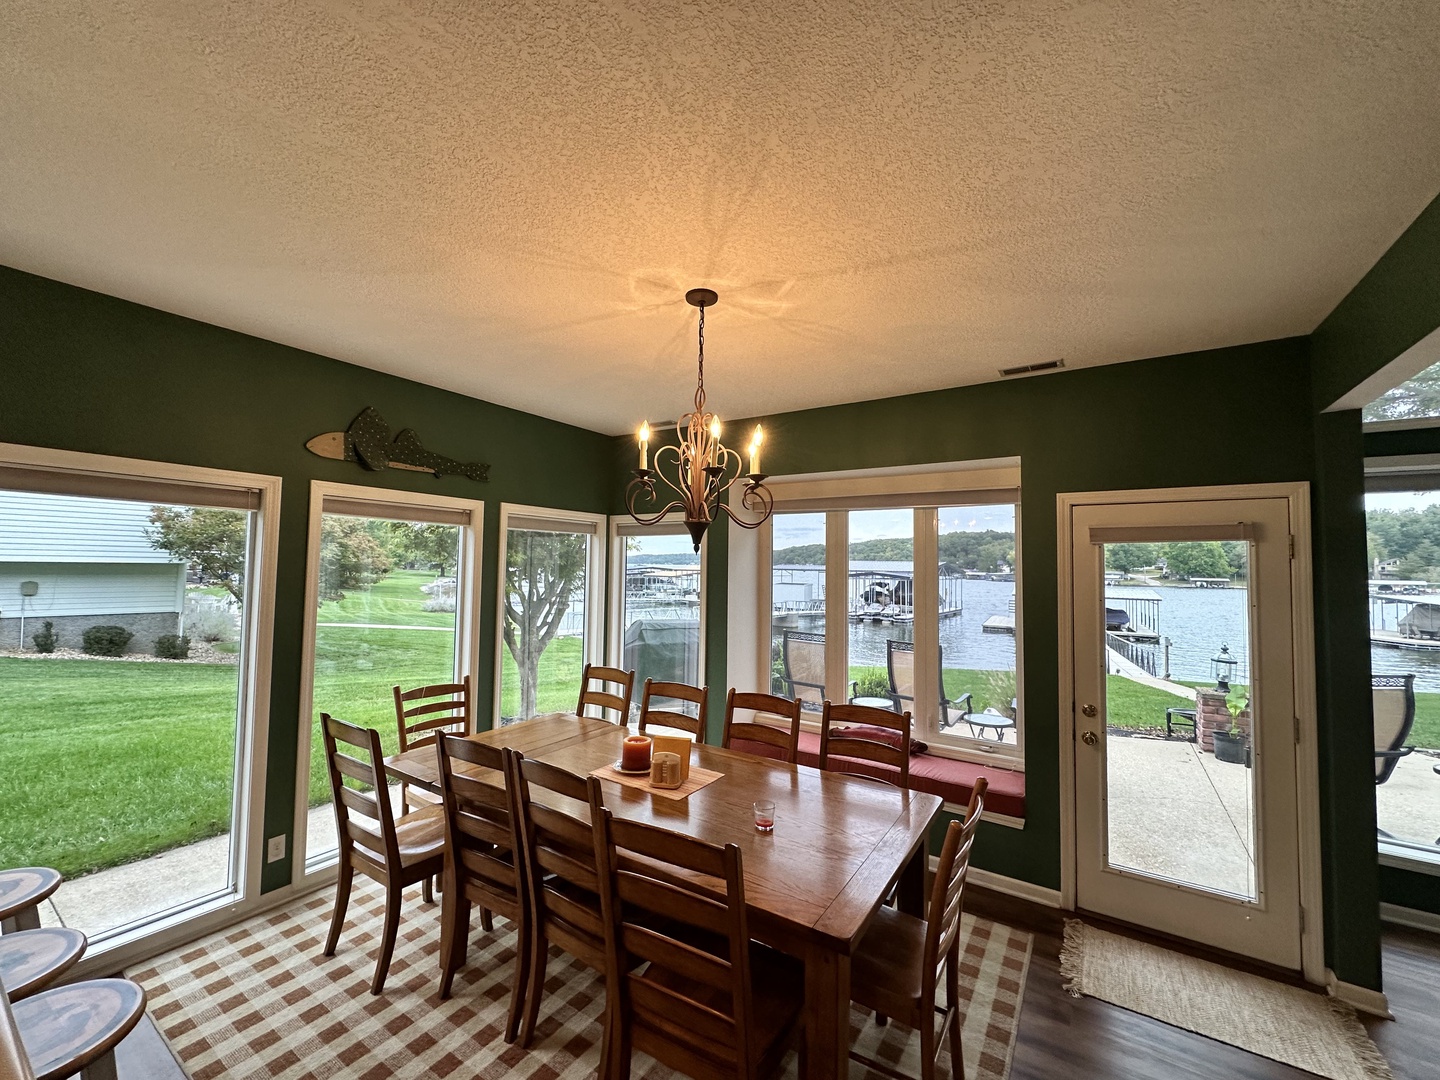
column 487, row 920
column 928, row 1043
column 454, row 935
column 881, row 1019
column 952, row 1000
column 522, row 977
column 539, row 949
column 342, row 900
column 426, row 896
column 387, row 942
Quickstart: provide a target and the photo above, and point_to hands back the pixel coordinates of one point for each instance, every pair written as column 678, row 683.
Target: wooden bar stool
column 21, row 894
column 75, row 1029
column 31, row 960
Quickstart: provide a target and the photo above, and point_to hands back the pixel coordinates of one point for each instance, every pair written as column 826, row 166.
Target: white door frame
column 1307, row 762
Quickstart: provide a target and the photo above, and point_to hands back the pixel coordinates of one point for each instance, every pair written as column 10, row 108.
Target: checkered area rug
column 258, row 1001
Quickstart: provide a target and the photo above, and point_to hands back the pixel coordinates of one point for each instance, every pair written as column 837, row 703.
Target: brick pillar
column 1212, row 715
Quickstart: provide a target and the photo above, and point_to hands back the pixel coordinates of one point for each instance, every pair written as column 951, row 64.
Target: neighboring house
column 88, row 562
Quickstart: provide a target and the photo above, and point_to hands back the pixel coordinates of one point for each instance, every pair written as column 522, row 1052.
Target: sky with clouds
column 792, row 529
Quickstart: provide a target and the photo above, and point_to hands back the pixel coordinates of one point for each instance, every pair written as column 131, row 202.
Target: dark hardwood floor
column 1085, row 1039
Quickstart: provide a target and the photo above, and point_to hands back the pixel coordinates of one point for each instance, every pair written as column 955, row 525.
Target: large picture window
column 134, row 619
column 1402, row 518
column 392, row 584
column 900, row 592
column 551, row 608
column 657, row 600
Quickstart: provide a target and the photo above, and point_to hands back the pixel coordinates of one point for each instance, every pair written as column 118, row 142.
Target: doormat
column 1283, row 1023
column 258, row 1001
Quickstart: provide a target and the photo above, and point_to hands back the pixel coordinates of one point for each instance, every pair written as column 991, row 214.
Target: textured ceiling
column 509, row 199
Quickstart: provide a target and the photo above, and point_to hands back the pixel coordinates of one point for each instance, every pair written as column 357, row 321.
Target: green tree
column 352, row 555
column 209, row 541
column 1130, row 556
column 542, row 570
column 435, row 547
column 1196, row 558
column 1419, row 396
column 1237, row 555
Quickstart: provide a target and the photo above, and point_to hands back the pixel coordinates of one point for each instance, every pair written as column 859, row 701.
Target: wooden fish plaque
column 371, row 442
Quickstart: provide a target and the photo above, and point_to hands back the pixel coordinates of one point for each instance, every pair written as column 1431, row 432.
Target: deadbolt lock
column 1089, row 738
column 1088, row 710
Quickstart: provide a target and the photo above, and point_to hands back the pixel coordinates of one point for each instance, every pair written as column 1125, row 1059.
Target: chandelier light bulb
column 714, row 427
column 644, row 446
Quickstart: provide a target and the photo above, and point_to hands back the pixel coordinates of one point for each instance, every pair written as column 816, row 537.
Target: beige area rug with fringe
column 1283, row 1023
column 258, row 1001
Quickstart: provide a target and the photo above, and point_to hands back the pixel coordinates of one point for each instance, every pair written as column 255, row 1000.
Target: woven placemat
column 698, row 778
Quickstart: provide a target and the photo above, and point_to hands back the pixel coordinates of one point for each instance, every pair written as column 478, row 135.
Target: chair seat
column 887, row 965
column 420, row 835
column 778, row 986
column 31, row 960
column 66, row 1029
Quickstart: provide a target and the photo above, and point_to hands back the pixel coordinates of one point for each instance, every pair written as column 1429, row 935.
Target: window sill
column 1404, row 857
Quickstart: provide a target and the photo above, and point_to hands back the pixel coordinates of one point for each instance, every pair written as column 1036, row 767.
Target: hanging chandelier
column 704, row 469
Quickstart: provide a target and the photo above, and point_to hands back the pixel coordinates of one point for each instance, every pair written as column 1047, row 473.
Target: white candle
column 755, row 441
column 715, row 427
column 644, row 446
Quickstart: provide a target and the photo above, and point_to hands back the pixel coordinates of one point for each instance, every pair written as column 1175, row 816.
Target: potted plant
column 1231, row 745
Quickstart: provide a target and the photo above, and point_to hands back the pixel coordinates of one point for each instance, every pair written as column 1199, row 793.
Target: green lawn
column 108, row 761
column 394, row 600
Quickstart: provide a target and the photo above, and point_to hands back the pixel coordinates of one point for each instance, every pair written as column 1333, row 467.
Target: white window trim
column 177, row 926
column 467, row 635
column 621, row 527
column 931, row 485
column 595, row 579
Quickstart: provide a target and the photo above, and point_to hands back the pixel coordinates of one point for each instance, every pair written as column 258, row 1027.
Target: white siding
column 92, row 589
column 65, row 528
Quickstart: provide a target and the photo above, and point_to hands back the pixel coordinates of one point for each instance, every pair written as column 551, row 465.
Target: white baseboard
column 1404, row 916
column 1360, row 998
column 1021, row 890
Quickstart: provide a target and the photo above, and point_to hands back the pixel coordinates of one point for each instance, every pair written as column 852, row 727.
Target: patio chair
column 1393, row 707
column 900, row 663
column 802, row 655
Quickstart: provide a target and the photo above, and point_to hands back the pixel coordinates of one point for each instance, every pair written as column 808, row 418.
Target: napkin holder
column 678, row 746
column 665, row 770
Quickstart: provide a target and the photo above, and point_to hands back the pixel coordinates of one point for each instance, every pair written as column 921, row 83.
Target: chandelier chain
column 700, row 382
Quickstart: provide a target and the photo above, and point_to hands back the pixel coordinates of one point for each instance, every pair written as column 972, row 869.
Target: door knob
column 1088, row 710
column 1089, row 738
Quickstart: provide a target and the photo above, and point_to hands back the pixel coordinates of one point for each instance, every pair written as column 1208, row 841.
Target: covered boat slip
column 1405, row 622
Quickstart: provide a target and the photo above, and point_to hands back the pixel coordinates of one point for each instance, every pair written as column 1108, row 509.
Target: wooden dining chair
column 897, row 967
column 683, row 981
column 674, row 717
column 867, row 733
column 421, row 714
column 598, row 696
column 787, row 739
column 396, row 852
column 481, row 864
column 562, row 885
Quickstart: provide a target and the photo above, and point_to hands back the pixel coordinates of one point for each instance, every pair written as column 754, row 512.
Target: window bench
column 952, row 780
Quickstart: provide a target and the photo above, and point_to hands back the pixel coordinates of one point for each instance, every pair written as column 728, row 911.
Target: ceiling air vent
column 1031, row 369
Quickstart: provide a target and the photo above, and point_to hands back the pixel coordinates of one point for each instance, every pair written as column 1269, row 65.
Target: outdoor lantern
column 1223, row 667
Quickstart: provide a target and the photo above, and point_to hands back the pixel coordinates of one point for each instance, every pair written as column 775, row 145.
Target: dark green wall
column 1395, row 305
column 83, row 371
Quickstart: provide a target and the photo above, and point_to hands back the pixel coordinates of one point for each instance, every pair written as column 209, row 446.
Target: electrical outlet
column 275, row 850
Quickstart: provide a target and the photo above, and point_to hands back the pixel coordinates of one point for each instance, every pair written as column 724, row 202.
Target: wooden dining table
column 839, row 846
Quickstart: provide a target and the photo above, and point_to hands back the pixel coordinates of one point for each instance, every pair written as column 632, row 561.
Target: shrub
column 46, row 639
column 172, row 647
column 210, row 620
column 872, row 683
column 106, row 640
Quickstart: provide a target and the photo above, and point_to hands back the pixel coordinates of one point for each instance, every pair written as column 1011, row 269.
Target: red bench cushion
column 952, row 780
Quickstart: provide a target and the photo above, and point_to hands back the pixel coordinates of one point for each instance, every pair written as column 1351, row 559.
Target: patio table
column 811, row 887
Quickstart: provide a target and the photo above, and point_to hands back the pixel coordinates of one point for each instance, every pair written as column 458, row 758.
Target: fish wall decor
column 371, row 442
